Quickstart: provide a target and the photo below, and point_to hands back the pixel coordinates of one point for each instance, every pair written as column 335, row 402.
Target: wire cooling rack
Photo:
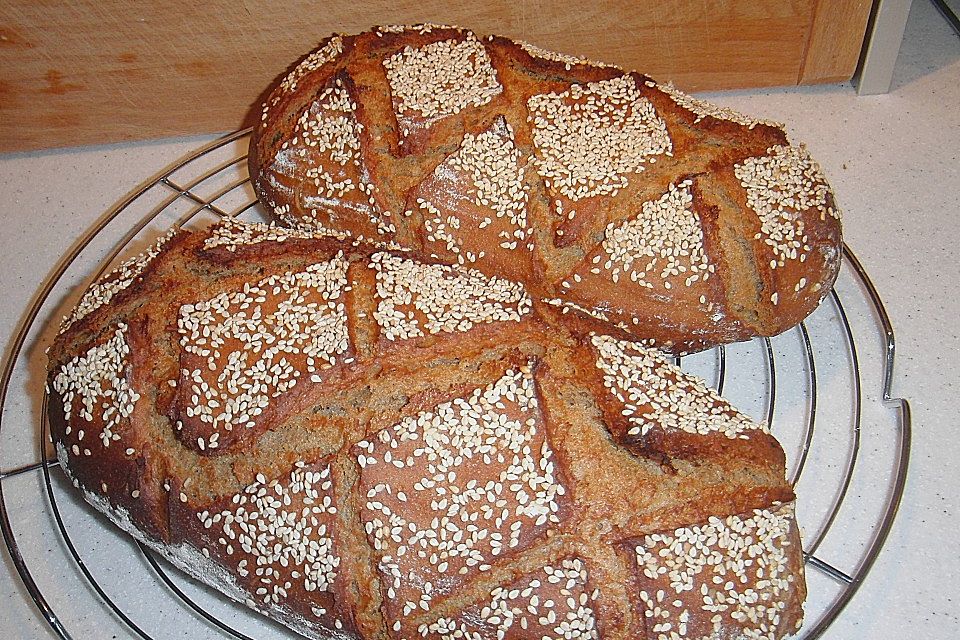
column 824, row 388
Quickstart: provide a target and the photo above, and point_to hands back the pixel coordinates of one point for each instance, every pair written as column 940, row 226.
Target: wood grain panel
column 93, row 71
column 836, row 38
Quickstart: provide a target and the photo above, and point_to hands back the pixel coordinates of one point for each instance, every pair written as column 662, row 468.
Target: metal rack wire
column 846, row 347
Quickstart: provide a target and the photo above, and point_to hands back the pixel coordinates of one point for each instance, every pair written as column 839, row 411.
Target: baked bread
column 363, row 442
column 654, row 214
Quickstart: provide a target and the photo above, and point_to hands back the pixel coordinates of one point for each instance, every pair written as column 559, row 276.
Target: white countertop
column 894, row 161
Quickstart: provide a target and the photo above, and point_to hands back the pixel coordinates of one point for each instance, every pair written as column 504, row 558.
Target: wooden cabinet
column 90, row 71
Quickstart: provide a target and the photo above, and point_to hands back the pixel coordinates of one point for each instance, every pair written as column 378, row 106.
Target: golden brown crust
column 457, row 413
column 577, row 150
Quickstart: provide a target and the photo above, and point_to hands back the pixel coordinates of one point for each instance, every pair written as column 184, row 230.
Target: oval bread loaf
column 363, row 442
column 646, row 210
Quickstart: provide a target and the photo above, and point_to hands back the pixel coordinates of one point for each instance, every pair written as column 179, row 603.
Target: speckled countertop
column 893, row 161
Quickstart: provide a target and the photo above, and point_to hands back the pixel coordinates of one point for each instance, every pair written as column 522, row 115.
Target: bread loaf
column 363, row 442
column 651, row 213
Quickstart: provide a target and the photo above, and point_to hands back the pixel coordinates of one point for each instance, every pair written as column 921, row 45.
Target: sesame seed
column 781, row 187
column 440, row 79
column 94, row 387
column 616, row 131
column 415, row 299
column 112, row 283
column 232, row 234
column 554, row 602
column 479, row 479
column 289, row 540
column 703, row 109
column 487, row 168
column 285, row 324
column 333, row 171
column 735, row 568
column 329, row 51
column 662, row 245
column 567, row 60
column 654, row 393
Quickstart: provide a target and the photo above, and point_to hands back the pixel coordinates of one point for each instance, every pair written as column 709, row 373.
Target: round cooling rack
column 823, row 387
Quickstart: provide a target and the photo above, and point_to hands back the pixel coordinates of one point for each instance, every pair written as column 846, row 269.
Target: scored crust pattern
column 327, row 150
column 779, row 187
column 377, row 438
column 592, row 137
column 440, row 79
column 665, row 241
column 703, row 109
column 286, row 526
column 475, row 508
column 654, row 394
column 568, row 61
column 415, row 299
column 706, row 567
column 487, row 170
column 243, row 348
column 232, row 235
column 497, row 154
column 104, row 289
column 450, row 490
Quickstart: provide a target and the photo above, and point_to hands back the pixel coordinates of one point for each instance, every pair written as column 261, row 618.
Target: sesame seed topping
column 703, row 109
column 590, row 138
column 781, row 187
column 568, row 61
column 109, row 285
column 478, row 481
column 486, row 168
column 735, row 568
column 662, row 244
column 231, row 234
column 243, row 348
column 440, row 79
column 657, row 394
column 330, row 51
column 285, row 529
column 325, row 156
column 554, row 602
column 96, row 386
column 421, row 28
column 415, row 299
